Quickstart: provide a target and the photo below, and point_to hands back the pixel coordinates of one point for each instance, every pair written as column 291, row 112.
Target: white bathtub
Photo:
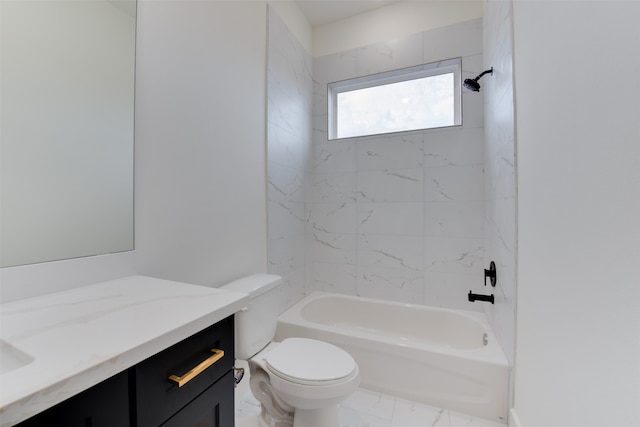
column 445, row 358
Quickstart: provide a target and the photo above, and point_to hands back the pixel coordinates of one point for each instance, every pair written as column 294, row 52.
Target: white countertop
column 72, row 340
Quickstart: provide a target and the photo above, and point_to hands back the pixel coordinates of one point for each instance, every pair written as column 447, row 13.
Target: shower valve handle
column 491, row 274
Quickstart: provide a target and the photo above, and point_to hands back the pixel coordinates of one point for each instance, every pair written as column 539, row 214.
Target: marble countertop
column 55, row 346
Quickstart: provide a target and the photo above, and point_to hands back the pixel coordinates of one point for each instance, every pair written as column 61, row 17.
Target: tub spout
column 478, row 297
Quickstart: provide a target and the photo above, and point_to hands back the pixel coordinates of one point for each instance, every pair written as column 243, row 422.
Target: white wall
column 578, row 160
column 295, row 21
column 391, row 22
column 31, row 280
column 200, row 153
column 200, row 140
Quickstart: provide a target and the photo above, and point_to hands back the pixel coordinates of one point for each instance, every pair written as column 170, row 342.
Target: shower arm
column 483, row 73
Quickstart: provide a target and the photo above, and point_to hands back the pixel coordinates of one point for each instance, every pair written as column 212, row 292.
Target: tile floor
column 366, row 408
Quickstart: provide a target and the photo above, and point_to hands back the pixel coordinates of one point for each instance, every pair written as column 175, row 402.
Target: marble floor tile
column 366, row 408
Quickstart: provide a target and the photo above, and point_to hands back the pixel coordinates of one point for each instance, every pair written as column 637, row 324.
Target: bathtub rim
column 490, row 353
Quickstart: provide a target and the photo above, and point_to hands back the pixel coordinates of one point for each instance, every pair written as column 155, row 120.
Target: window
column 422, row 97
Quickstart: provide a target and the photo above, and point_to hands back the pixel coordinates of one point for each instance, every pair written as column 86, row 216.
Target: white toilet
column 299, row 381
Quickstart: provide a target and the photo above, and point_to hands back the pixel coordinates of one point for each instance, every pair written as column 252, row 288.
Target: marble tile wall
column 500, row 173
column 399, row 216
column 289, row 97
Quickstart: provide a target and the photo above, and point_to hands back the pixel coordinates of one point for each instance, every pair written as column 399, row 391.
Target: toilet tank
column 255, row 325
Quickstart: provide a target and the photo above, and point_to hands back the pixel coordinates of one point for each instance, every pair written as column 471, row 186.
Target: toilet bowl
column 299, row 382
column 309, row 379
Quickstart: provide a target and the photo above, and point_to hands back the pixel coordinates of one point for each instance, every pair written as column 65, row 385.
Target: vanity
column 136, row 351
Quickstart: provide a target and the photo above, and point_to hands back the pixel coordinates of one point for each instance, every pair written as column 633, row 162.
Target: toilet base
column 325, row 417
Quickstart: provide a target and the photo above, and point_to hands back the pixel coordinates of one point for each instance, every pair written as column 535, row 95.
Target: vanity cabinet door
column 213, row 408
column 103, row 405
column 158, row 398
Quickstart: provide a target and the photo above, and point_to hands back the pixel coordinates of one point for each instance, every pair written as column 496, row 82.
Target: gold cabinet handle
column 197, row 370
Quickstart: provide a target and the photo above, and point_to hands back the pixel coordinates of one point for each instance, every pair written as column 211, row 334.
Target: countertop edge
column 40, row 400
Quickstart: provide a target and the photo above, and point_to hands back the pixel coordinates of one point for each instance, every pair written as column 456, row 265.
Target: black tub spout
column 478, row 297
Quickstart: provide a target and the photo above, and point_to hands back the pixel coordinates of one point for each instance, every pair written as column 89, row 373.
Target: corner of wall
column 514, row 421
column 293, row 18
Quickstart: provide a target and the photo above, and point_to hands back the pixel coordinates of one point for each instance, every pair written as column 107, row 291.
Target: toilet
column 299, row 382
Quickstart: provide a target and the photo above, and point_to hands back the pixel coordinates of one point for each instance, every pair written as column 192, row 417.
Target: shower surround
column 398, row 217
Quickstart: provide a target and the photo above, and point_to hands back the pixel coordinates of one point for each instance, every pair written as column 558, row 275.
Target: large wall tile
column 418, row 196
column 390, row 185
column 332, row 277
column 336, row 188
column 458, row 183
column 393, row 284
column 392, row 251
column 454, row 147
column 391, row 55
column 397, row 151
column 397, row 219
column 500, row 172
column 289, row 141
column 454, row 219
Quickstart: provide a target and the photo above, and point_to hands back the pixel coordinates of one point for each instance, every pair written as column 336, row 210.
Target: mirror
column 66, row 148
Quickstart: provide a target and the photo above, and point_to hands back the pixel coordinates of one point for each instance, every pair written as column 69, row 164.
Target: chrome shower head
column 472, row 84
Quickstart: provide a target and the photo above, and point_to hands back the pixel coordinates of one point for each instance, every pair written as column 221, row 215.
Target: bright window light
column 423, row 97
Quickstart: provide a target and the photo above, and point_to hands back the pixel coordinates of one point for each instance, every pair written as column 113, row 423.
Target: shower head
column 472, row 84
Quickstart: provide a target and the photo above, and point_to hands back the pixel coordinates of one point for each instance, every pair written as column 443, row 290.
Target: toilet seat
column 310, row 362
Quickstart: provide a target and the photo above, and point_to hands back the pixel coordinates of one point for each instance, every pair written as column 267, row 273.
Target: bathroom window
column 422, row 97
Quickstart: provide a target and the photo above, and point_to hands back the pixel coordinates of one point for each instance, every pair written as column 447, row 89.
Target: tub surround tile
column 443, row 184
column 400, row 219
column 288, row 255
column 456, row 219
column 286, row 219
column 393, row 251
column 80, row 337
column 500, row 182
column 388, row 56
column 333, row 217
column 455, row 255
column 458, row 286
column 454, row 147
column 289, row 116
column 285, row 184
column 377, row 209
column 290, row 94
column 390, row 185
column 332, row 277
column 472, row 66
column 391, row 152
column 333, row 157
column 464, row 39
column 472, row 108
column 393, row 284
column 334, row 248
column 335, row 67
column 413, row 191
column 336, row 188
column 286, row 150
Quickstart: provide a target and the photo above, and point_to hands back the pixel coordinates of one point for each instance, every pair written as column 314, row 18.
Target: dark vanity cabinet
column 103, row 405
column 190, row 384
column 160, row 402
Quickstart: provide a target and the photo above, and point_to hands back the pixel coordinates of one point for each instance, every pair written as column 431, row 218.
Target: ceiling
column 320, row 12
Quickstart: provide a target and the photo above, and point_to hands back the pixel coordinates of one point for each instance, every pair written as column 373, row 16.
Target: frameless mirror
column 66, row 148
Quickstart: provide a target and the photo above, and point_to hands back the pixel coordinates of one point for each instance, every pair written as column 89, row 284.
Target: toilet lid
column 304, row 361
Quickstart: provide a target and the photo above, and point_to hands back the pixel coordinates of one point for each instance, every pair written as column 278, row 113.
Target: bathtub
column 445, row 358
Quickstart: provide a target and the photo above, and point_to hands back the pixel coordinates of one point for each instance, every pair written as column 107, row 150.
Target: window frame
column 453, row 65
